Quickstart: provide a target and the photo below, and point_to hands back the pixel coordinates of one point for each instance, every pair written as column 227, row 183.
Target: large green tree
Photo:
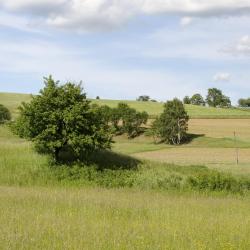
column 61, row 117
column 4, row 114
column 172, row 125
column 215, row 98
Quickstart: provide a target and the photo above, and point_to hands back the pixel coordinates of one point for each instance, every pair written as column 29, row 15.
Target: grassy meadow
column 149, row 196
column 12, row 100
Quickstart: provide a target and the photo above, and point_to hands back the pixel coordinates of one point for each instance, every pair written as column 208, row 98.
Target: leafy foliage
column 4, row 114
column 171, row 126
column 143, row 98
column 124, row 119
column 60, row 117
column 186, row 100
column 245, row 103
column 197, row 99
column 215, row 98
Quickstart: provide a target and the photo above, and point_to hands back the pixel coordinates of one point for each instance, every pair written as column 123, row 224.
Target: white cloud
column 185, row 21
column 92, row 15
column 222, row 77
column 239, row 48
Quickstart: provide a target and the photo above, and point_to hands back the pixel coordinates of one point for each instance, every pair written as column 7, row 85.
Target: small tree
column 186, row 100
column 4, row 114
column 215, row 98
column 197, row 99
column 60, row 117
column 171, row 126
column 143, row 98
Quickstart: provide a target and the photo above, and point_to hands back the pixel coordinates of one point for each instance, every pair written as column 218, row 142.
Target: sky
column 121, row 49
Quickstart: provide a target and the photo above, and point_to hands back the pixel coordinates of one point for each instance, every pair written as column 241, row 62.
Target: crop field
column 60, row 207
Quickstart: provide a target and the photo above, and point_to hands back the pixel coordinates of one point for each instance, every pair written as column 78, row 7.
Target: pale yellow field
column 221, row 128
column 201, row 156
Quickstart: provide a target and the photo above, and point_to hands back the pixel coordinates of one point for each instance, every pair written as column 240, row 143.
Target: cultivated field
column 60, row 207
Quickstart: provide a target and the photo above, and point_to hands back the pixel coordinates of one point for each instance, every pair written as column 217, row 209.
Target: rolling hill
column 13, row 100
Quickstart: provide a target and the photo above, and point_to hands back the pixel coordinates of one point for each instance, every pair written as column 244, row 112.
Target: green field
column 13, row 100
column 149, row 206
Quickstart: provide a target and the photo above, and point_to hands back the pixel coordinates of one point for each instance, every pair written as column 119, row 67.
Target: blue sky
column 122, row 49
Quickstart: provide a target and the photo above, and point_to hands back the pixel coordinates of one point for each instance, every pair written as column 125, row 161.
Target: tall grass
column 52, row 218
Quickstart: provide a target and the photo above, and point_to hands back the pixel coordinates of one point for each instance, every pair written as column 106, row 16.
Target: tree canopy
column 197, row 99
column 61, row 116
column 245, row 103
column 143, row 98
column 215, row 98
column 171, row 126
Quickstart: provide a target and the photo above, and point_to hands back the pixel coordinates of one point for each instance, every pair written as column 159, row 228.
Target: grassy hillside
column 13, row 100
column 157, row 206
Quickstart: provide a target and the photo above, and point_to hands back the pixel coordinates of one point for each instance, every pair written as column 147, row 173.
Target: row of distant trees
column 214, row 98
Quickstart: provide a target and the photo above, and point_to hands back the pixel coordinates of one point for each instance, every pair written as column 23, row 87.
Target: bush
column 4, row 114
column 215, row 181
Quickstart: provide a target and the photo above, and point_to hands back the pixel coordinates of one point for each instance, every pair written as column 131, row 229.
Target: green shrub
column 4, row 114
column 216, row 181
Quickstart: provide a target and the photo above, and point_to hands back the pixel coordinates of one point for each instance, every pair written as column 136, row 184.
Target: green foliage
column 143, row 98
column 197, row 99
column 215, row 98
column 186, row 100
column 171, row 126
column 4, row 114
column 125, row 119
column 245, row 103
column 60, row 117
column 216, row 181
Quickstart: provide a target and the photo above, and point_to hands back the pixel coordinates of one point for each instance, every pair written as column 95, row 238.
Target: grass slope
column 12, row 101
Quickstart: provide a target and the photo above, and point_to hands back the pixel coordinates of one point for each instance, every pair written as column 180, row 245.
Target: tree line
column 214, row 98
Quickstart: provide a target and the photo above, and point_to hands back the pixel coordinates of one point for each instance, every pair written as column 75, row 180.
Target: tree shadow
column 190, row 137
column 102, row 159
column 107, row 159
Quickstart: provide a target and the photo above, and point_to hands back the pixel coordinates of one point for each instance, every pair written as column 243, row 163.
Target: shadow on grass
column 191, row 137
column 102, row 159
